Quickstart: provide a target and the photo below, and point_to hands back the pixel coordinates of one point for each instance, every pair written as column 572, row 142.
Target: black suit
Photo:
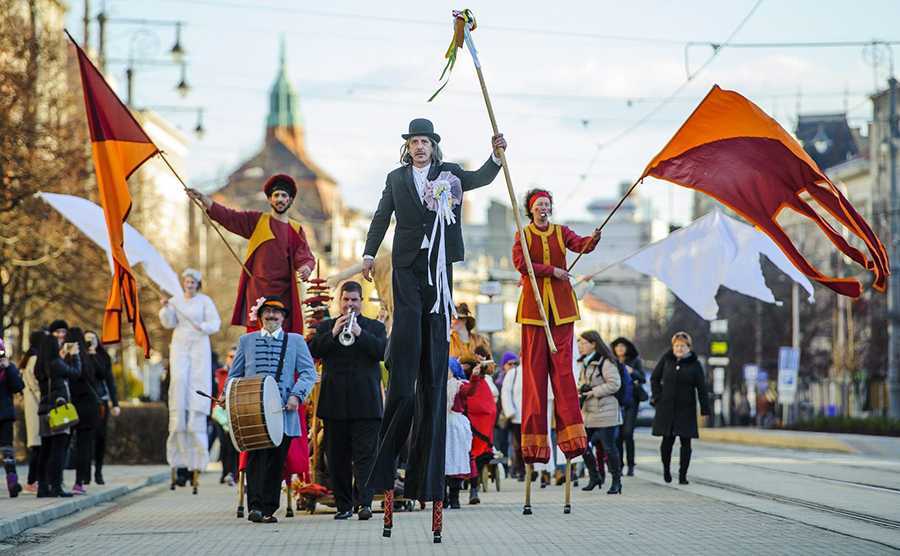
column 414, row 221
column 350, row 403
column 419, row 347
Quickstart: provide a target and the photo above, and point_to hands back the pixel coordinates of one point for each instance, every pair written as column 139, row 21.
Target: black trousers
column 625, row 442
column 7, row 453
column 100, row 438
column 227, row 453
column 665, row 451
column 53, row 458
column 35, row 471
column 84, row 451
column 264, row 472
column 417, row 389
column 605, row 436
column 350, row 448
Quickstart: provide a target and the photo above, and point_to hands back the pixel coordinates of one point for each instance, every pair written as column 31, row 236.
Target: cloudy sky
column 569, row 80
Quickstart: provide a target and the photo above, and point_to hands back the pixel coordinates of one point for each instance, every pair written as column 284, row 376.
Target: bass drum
column 255, row 413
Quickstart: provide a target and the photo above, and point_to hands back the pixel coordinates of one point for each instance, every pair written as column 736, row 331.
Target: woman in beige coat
column 599, row 382
column 32, row 397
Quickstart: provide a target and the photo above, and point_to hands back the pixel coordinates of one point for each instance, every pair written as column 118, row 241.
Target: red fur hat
column 280, row 181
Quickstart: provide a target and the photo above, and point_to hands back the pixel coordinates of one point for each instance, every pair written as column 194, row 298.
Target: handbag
column 64, row 415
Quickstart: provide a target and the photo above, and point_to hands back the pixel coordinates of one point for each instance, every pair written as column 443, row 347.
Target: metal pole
column 894, row 283
column 795, row 315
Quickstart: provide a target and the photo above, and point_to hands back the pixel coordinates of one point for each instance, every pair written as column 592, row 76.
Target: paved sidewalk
column 26, row 511
column 647, row 519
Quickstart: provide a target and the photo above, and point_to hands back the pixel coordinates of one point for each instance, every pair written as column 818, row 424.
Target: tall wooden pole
column 515, row 208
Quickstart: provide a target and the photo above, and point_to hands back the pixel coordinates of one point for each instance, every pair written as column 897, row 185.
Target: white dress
column 457, row 460
column 190, row 369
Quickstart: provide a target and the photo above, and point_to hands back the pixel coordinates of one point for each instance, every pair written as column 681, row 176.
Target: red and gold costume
column 547, row 248
column 275, row 252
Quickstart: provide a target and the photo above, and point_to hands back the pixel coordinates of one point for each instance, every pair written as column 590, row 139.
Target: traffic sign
column 718, row 348
column 718, row 361
column 490, row 288
column 788, row 369
column 718, row 381
column 719, row 326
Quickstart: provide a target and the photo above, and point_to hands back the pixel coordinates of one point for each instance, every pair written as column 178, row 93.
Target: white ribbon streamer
column 467, row 36
column 441, row 281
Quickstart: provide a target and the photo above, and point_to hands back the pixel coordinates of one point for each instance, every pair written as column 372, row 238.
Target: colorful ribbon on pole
column 464, row 24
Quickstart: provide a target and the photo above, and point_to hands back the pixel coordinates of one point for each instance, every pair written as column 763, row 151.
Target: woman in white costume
column 194, row 318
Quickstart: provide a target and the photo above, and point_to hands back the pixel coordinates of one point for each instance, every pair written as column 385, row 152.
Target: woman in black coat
column 56, row 365
column 87, row 404
column 10, row 383
column 628, row 355
column 678, row 383
column 105, row 387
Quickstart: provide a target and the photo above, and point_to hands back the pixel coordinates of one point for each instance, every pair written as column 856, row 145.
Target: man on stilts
column 425, row 196
column 547, row 245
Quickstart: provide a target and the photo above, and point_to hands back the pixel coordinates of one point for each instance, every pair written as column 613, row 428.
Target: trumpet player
column 350, row 348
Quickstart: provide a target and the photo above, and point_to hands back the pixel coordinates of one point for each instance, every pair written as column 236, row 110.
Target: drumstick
column 205, row 395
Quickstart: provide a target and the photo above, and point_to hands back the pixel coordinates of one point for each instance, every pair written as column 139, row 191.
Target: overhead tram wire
column 433, row 22
column 666, row 101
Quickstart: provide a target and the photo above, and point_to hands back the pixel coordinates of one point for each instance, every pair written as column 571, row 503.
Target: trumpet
column 346, row 337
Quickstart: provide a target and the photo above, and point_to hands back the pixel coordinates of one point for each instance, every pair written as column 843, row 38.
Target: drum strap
column 284, row 342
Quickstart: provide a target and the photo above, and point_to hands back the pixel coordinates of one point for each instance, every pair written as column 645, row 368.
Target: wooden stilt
column 195, row 480
column 529, row 469
column 437, row 520
column 240, row 485
column 567, row 508
column 388, row 513
column 174, row 478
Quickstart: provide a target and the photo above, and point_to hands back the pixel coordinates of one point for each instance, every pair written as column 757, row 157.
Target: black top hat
column 421, row 126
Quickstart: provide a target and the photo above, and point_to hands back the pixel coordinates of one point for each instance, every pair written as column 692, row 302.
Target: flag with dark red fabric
column 733, row 151
column 119, row 147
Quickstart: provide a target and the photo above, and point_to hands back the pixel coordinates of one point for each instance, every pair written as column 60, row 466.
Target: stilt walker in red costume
column 277, row 253
column 547, row 245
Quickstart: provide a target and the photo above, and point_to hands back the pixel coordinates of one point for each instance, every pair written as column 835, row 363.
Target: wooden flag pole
column 515, row 207
column 608, row 216
column 208, row 219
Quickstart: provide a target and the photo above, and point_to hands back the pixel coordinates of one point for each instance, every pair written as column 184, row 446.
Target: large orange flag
column 733, row 151
column 119, row 147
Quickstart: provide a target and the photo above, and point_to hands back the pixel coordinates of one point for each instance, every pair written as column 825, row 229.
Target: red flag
column 733, row 151
column 119, row 147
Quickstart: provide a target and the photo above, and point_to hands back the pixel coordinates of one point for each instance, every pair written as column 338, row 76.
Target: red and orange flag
column 119, row 146
column 733, row 151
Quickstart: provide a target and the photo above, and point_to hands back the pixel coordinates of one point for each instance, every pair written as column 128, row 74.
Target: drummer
column 273, row 351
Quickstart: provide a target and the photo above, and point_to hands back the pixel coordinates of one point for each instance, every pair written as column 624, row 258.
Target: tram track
column 870, row 519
